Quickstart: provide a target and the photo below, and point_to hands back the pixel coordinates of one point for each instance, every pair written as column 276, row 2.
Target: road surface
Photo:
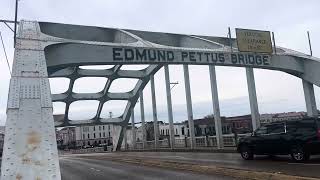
column 71, row 164
column 85, row 168
column 99, row 167
column 278, row 164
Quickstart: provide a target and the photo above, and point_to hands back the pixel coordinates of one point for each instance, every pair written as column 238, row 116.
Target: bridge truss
column 50, row 50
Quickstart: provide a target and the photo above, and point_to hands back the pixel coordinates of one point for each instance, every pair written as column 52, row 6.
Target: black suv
column 299, row 138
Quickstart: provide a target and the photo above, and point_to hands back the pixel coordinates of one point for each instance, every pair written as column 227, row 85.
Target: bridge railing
column 229, row 140
column 88, row 150
column 164, row 143
column 149, row 145
column 139, row 145
column 180, row 142
column 201, row 142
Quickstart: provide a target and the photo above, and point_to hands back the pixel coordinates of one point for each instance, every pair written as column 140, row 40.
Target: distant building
column 83, row 136
column 203, row 127
column 179, row 129
column 266, row 118
column 66, row 137
column 278, row 117
column 239, row 124
column 206, row 126
column 94, row 135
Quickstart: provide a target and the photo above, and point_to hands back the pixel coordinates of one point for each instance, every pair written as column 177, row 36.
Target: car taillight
column 318, row 134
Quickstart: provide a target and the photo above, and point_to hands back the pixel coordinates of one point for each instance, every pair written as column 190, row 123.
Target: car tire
column 298, row 154
column 246, row 152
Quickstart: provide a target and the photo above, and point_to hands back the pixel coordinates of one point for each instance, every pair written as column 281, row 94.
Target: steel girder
column 48, row 50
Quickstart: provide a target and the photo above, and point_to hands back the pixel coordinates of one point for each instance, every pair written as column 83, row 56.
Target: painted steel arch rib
column 90, row 53
column 96, row 46
column 104, row 96
column 66, row 47
column 48, row 50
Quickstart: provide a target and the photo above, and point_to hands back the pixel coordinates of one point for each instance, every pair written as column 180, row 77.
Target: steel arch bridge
column 49, row 50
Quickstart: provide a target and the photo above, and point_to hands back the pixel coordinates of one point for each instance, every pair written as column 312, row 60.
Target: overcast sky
column 277, row 91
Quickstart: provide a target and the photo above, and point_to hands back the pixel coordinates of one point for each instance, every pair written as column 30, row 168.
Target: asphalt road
column 278, row 164
column 84, row 168
column 96, row 167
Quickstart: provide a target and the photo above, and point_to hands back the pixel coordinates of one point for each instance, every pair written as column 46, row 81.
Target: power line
column 5, row 53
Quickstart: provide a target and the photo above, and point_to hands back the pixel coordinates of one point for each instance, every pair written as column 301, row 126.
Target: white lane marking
column 98, row 170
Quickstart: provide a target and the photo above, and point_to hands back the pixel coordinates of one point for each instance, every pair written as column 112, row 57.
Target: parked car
column 299, row 138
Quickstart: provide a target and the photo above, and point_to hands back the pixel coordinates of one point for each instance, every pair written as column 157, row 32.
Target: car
column 299, row 138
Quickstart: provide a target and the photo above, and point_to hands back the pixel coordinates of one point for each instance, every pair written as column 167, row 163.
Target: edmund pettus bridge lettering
column 136, row 55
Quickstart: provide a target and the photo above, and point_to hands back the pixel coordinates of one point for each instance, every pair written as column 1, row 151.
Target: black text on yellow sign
column 253, row 41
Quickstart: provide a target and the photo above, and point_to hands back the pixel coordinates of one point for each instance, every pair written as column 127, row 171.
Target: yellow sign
column 253, row 41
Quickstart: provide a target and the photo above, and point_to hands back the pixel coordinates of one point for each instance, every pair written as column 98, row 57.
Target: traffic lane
column 277, row 164
column 83, row 168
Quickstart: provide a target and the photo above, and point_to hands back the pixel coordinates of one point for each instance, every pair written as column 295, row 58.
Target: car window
column 261, row 130
column 275, row 128
column 306, row 126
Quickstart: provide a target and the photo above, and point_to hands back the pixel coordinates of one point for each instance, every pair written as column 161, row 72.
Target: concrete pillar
column 169, row 105
column 216, row 107
column 133, row 129
column 143, row 124
column 189, row 105
column 310, row 99
column 154, row 110
column 253, row 98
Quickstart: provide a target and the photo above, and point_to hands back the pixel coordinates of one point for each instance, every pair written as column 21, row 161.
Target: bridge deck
column 85, row 168
column 278, row 164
